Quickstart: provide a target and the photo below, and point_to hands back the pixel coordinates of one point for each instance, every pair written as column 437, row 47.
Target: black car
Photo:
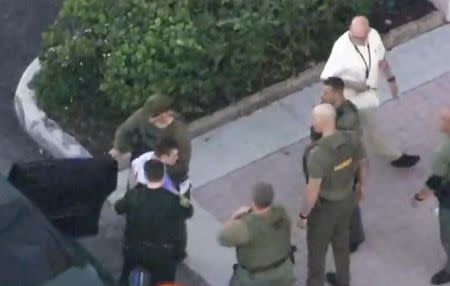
column 38, row 245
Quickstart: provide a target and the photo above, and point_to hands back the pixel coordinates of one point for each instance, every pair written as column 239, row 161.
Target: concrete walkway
column 222, row 158
column 402, row 244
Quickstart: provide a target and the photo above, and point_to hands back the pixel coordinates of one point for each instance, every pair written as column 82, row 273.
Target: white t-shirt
column 137, row 168
column 347, row 63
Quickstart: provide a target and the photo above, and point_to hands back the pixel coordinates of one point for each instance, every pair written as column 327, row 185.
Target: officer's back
column 338, row 158
column 154, row 225
column 262, row 237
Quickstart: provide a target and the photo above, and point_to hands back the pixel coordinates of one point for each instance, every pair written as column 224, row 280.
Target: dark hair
column 335, row 83
column 165, row 146
column 154, row 170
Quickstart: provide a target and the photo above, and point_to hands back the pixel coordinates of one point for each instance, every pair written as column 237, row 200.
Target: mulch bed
column 404, row 11
column 97, row 135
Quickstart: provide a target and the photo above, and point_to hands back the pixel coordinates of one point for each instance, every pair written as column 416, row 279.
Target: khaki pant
column 374, row 138
column 329, row 222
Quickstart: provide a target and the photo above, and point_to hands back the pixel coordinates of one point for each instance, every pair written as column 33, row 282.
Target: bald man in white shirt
column 358, row 57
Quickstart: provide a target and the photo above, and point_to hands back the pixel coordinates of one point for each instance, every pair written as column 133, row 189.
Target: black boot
column 405, row 161
column 441, row 277
column 332, row 280
column 354, row 247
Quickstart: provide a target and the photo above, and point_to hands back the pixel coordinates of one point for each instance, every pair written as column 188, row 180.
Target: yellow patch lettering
column 344, row 164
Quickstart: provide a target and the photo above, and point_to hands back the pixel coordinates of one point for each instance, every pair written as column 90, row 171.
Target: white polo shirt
column 347, row 63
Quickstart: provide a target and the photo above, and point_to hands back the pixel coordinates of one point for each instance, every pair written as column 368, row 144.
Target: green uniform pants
column 444, row 228
column 356, row 227
column 282, row 275
column 329, row 222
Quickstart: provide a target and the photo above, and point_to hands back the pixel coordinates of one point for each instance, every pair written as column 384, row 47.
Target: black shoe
column 332, row 280
column 405, row 161
column 354, row 247
column 181, row 257
column 441, row 277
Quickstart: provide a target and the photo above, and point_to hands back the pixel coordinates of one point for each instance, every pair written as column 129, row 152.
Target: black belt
column 265, row 268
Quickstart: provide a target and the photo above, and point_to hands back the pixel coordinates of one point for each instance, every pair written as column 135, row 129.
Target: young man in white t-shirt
column 358, row 57
column 166, row 151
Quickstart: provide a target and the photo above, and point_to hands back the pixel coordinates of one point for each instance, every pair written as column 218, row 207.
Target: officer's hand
column 415, row 200
column 115, row 153
column 393, row 87
column 301, row 223
column 241, row 211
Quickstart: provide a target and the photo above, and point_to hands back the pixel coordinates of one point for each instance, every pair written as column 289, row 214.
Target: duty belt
column 271, row 266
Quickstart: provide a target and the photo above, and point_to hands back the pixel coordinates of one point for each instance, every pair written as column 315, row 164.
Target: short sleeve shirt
column 347, row 63
column 348, row 118
column 335, row 159
column 137, row 167
column 441, row 160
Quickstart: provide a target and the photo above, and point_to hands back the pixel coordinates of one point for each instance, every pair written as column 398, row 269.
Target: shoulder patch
column 343, row 164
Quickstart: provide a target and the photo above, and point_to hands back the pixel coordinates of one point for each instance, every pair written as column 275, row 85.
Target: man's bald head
column 359, row 29
column 324, row 118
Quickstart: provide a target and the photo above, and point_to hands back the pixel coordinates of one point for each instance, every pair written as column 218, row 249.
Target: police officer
column 154, row 219
column 142, row 130
column 262, row 237
column 329, row 198
column 347, row 118
column 439, row 185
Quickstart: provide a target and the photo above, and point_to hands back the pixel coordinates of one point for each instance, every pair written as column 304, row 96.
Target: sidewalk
column 267, row 145
column 402, row 244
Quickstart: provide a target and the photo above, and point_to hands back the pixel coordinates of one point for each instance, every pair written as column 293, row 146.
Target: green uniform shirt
column 260, row 240
column 335, row 159
column 441, row 160
column 137, row 132
column 347, row 118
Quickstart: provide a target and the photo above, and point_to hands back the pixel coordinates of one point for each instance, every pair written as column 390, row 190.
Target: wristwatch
column 391, row 79
column 302, row 216
column 418, row 198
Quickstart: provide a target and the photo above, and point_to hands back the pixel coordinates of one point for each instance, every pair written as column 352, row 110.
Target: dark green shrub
column 107, row 56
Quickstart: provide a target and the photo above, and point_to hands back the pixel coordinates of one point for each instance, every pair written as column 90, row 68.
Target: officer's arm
column 122, row 205
column 316, row 167
column 124, row 134
column 432, row 185
column 180, row 170
column 234, row 233
column 363, row 162
column 311, row 195
column 440, row 168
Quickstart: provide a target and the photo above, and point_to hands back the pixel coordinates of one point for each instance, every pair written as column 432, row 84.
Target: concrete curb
column 46, row 132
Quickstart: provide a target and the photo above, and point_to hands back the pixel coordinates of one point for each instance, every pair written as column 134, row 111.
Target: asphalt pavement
column 21, row 25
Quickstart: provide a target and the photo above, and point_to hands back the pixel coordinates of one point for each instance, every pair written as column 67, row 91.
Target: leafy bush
column 105, row 57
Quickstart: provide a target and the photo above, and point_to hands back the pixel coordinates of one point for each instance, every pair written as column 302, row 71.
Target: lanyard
column 364, row 60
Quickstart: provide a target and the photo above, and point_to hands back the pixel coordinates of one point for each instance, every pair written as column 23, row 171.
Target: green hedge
column 106, row 57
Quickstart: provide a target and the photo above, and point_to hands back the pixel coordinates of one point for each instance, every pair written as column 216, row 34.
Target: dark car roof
column 33, row 252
